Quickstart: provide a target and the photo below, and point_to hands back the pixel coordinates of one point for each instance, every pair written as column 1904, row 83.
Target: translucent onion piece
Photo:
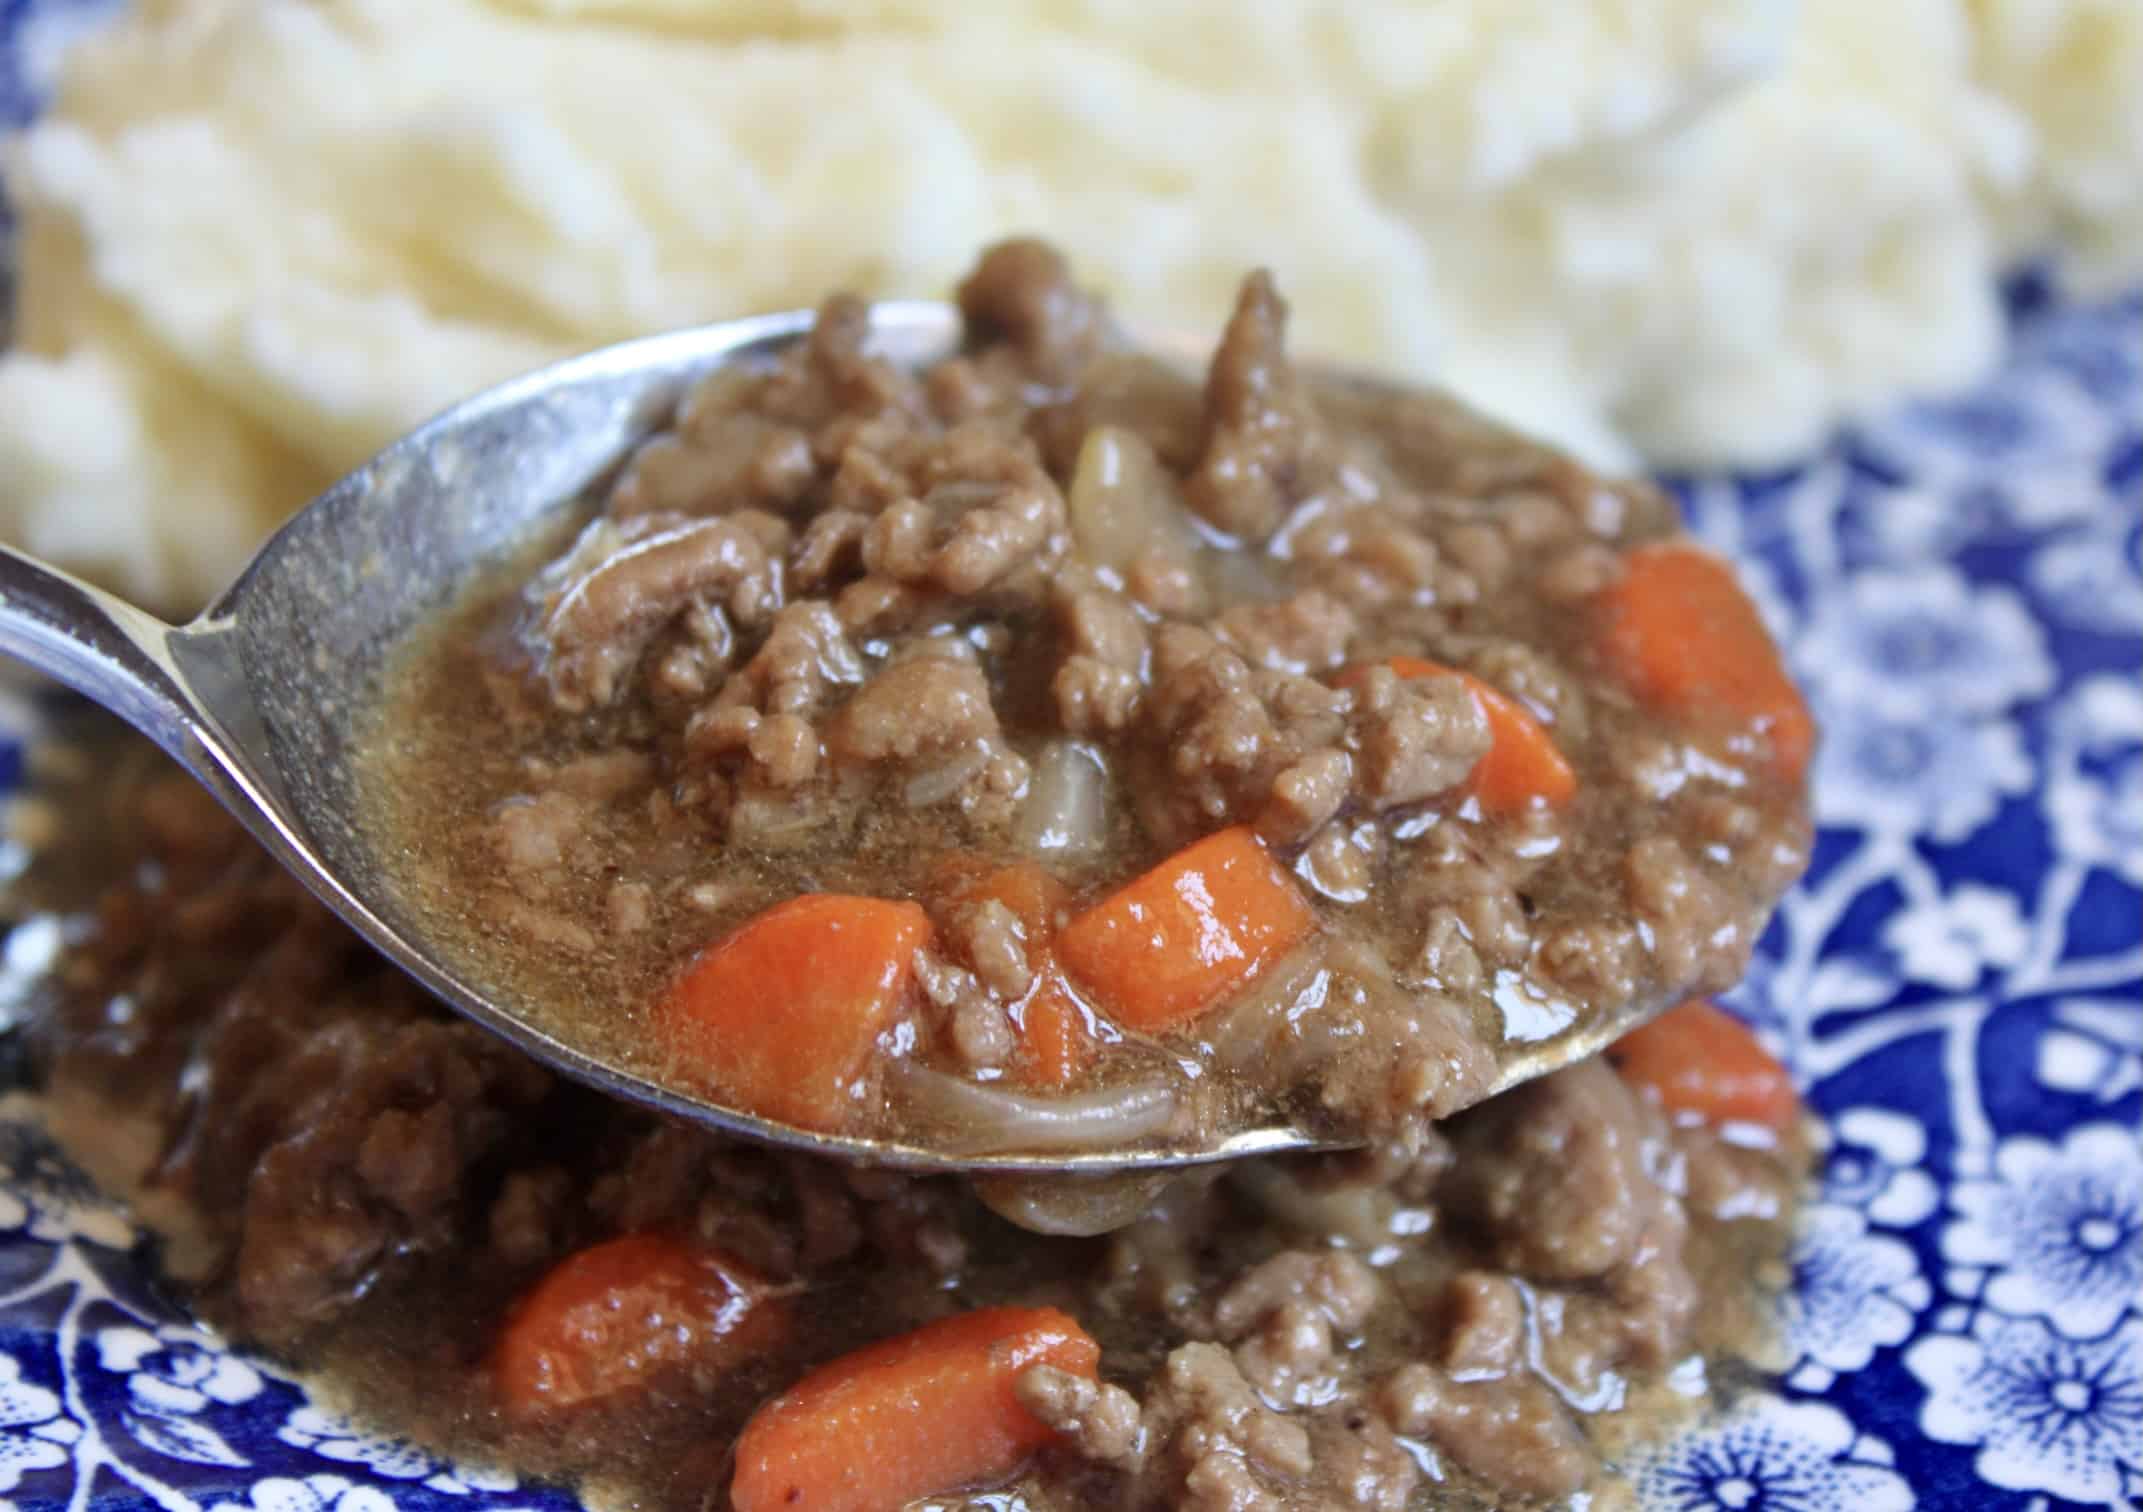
column 772, row 821
column 1256, row 1031
column 981, row 1119
column 1077, row 1205
column 1066, row 811
column 933, row 785
column 1122, row 501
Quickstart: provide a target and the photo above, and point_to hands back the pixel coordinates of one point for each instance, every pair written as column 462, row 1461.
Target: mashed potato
column 264, row 236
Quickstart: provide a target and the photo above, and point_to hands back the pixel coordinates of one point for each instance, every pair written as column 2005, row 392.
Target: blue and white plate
column 1958, row 986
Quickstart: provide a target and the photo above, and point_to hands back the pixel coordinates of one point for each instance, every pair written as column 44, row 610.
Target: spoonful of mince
column 960, row 737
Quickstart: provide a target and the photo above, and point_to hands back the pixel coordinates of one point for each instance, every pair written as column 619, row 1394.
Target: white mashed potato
column 264, row 236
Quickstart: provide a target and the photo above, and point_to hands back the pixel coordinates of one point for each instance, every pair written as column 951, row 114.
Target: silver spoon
column 265, row 696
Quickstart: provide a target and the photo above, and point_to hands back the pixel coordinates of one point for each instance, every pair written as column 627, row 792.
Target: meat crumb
column 1218, row 1418
column 1022, row 292
column 1415, row 737
column 1258, row 421
column 526, row 1217
column 1337, row 1284
column 1511, row 1432
column 920, row 705
column 993, row 941
column 1364, row 1464
column 1101, row 1421
column 1484, row 1325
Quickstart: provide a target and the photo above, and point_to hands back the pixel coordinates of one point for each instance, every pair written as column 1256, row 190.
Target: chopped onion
column 937, row 783
column 1255, row 1031
column 995, row 1121
column 773, row 821
column 1077, row 1205
column 1123, row 502
column 1066, row 812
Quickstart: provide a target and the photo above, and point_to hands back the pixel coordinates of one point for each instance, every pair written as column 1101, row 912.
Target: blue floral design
column 2093, row 577
column 1773, row 1456
column 2060, row 1228
column 1953, row 939
column 34, row 1431
column 313, row 1493
column 1902, row 525
column 2090, row 1049
column 2099, row 819
column 2028, row 422
column 1913, row 643
column 2044, row 1413
column 1936, row 774
column 1853, row 1292
column 175, row 1377
column 176, row 1370
column 391, row 1459
column 1877, row 1164
column 2070, row 346
column 2103, row 717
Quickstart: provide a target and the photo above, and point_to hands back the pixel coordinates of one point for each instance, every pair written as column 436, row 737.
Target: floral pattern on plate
column 1958, row 986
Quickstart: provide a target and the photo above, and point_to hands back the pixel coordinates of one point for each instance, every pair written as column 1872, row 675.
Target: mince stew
column 1047, row 749
column 462, row 1248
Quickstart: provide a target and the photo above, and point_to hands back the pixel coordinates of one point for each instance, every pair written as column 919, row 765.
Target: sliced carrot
column 782, row 1016
column 1035, row 897
column 1522, row 766
column 1168, row 945
column 927, row 1412
column 1683, row 637
column 614, row 1316
column 1704, row 1064
column 1056, row 1041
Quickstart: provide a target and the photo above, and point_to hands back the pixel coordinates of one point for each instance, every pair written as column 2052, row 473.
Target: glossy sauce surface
column 1047, row 750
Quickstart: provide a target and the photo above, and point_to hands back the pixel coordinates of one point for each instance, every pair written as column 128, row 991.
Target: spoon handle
column 99, row 645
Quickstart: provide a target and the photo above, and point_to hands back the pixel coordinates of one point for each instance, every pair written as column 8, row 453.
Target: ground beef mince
column 1040, row 748
column 505, row 1265
column 1184, row 748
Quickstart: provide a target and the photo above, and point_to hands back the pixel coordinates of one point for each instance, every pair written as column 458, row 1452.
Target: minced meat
column 1200, row 747
column 1048, row 603
column 369, row 1182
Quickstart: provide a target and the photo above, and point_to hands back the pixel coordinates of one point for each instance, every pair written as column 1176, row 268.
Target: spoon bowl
column 269, row 694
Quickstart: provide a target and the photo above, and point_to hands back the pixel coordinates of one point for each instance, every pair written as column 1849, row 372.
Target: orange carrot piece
column 1056, row 1041
column 926, row 1412
column 1522, row 766
column 1035, row 897
column 1168, row 945
column 1704, row 1064
column 1683, row 637
column 1056, row 1038
column 782, row 1015
column 611, row 1317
